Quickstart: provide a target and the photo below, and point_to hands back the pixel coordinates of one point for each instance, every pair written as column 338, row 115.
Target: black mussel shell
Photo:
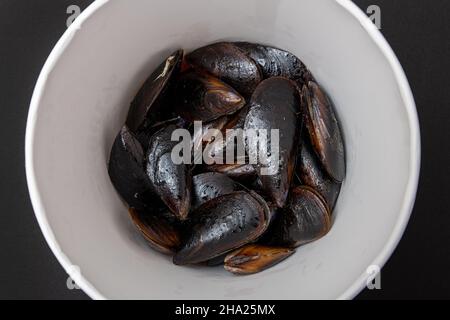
column 275, row 105
column 126, row 169
column 223, row 224
column 152, row 94
column 254, row 258
column 227, row 62
column 310, row 173
column 240, row 172
column 210, row 185
column 160, row 233
column 305, row 218
column 172, row 182
column 200, row 138
column 324, row 131
column 274, row 62
column 202, row 97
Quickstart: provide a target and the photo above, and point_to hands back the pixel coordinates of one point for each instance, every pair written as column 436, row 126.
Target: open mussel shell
column 254, row 258
column 126, row 169
column 223, row 224
column 210, row 185
column 274, row 106
column 310, row 173
column 161, row 234
column 305, row 218
column 172, row 182
column 274, row 62
column 152, row 93
column 228, row 63
column 324, row 131
column 202, row 97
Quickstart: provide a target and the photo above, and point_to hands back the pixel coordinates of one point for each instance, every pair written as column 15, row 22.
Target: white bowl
column 82, row 97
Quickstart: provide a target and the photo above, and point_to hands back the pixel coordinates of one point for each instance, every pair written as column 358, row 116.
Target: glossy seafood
column 152, row 94
column 210, row 185
column 226, row 199
column 223, row 224
column 162, row 235
column 172, row 182
column 202, row 97
column 324, row 131
column 227, row 62
column 126, row 169
column 305, row 218
column 310, row 173
column 275, row 105
column 274, row 62
column 255, row 258
column 239, row 172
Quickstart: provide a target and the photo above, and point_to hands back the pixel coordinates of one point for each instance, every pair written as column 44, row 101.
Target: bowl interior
column 84, row 101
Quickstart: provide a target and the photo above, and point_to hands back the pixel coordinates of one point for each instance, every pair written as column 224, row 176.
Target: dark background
column 417, row 30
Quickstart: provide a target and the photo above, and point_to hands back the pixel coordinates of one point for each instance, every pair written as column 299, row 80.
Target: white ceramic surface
column 82, row 97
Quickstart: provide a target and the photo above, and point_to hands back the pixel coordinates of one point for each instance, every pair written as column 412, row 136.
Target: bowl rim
column 406, row 94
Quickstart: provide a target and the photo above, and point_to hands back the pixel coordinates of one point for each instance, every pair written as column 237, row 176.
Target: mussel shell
column 232, row 140
column 227, row 62
column 126, row 169
column 274, row 105
column 305, row 218
column 310, row 173
column 202, row 97
column 172, row 182
column 159, row 233
column 324, row 131
column 210, row 185
column 152, row 93
column 274, row 62
column 223, row 224
column 254, row 258
column 199, row 136
column 239, row 172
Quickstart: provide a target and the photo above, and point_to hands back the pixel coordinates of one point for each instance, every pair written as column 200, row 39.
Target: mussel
column 324, row 131
column 200, row 137
column 274, row 106
column 239, row 172
column 172, row 182
column 305, row 218
column 203, row 97
column 161, row 234
column 230, row 64
column 229, row 143
column 210, row 185
column 274, row 62
column 126, row 169
column 258, row 170
column 223, row 224
column 152, row 94
column 310, row 173
column 254, row 258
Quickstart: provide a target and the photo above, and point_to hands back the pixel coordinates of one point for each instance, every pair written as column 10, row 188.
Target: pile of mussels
column 229, row 213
